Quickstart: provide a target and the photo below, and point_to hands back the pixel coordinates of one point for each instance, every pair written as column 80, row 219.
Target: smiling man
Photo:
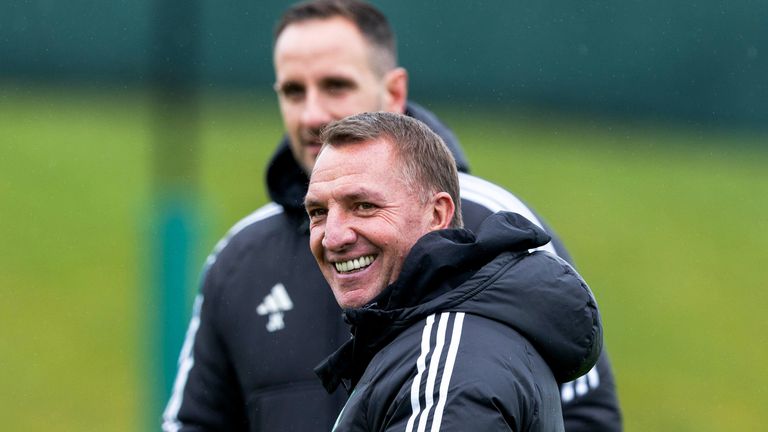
column 365, row 214
column 382, row 195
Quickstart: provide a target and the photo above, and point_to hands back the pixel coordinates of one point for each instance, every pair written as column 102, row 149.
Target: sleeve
column 205, row 394
column 590, row 402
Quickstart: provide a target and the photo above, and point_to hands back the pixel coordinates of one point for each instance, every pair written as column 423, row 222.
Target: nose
column 339, row 233
column 315, row 113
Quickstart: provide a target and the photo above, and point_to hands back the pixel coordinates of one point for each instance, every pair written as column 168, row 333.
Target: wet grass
column 667, row 223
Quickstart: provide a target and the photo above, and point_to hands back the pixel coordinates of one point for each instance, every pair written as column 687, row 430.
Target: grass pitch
column 667, row 223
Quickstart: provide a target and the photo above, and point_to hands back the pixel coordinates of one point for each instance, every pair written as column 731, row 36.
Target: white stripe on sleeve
column 186, row 361
column 450, row 361
column 434, row 363
column 420, row 367
column 435, row 372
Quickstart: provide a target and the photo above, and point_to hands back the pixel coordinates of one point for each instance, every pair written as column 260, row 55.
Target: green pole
column 175, row 151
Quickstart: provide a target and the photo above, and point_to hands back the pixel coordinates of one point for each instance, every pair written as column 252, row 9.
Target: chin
column 352, row 302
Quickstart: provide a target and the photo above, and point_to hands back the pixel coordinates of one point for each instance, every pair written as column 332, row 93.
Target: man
column 381, row 196
column 264, row 317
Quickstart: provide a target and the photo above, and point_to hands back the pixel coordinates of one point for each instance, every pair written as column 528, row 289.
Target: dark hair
column 371, row 23
column 427, row 167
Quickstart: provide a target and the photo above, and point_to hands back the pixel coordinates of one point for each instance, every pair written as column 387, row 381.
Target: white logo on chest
column 275, row 304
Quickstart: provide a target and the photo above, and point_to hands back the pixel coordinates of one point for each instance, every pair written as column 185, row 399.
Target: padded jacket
column 471, row 336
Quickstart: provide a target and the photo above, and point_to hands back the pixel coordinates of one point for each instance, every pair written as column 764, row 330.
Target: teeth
column 354, row 264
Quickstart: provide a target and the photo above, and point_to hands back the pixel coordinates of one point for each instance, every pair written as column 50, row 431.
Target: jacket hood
column 491, row 274
column 287, row 183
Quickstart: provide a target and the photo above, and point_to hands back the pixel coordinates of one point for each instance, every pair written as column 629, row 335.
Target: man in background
column 264, row 317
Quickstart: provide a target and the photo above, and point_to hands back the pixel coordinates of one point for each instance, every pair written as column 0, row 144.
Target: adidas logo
column 274, row 304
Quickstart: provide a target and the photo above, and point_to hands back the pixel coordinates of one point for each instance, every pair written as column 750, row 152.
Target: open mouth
column 354, row 264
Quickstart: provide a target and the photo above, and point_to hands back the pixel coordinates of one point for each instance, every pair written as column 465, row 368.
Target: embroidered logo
column 274, row 305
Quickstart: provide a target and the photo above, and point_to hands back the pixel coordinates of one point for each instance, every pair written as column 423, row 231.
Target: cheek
column 354, row 103
column 406, row 239
column 316, row 242
column 290, row 115
column 345, row 108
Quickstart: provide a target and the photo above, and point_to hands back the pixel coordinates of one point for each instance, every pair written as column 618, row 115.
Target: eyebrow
column 362, row 196
column 359, row 194
column 337, row 80
column 310, row 202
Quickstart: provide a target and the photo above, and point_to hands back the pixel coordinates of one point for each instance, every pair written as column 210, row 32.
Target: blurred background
column 133, row 134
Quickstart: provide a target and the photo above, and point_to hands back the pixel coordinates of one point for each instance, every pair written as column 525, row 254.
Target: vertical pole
column 175, row 54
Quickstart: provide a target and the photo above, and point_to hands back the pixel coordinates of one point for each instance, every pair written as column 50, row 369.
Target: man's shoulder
column 255, row 228
column 482, row 358
column 476, row 341
column 493, row 197
column 480, row 198
column 497, row 355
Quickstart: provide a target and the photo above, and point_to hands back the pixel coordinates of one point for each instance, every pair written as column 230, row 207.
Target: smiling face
column 324, row 72
column 363, row 220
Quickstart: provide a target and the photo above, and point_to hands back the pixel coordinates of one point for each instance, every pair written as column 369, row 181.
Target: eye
column 292, row 91
column 315, row 213
column 337, row 86
column 365, row 206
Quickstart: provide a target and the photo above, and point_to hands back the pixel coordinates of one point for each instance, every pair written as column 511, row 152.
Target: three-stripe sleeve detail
column 450, row 361
column 580, row 386
column 438, row 362
column 420, row 367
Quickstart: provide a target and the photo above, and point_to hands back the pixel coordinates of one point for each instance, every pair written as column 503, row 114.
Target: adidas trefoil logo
column 274, row 304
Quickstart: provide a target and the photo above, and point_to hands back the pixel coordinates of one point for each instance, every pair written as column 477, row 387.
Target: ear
column 442, row 211
column 396, row 82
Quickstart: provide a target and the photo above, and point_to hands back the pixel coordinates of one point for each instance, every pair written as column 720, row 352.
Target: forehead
column 372, row 161
column 332, row 42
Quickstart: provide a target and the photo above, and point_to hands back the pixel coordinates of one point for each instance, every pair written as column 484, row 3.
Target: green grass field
column 668, row 224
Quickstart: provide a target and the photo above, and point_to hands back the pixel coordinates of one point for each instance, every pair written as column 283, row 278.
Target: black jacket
column 265, row 318
column 471, row 336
